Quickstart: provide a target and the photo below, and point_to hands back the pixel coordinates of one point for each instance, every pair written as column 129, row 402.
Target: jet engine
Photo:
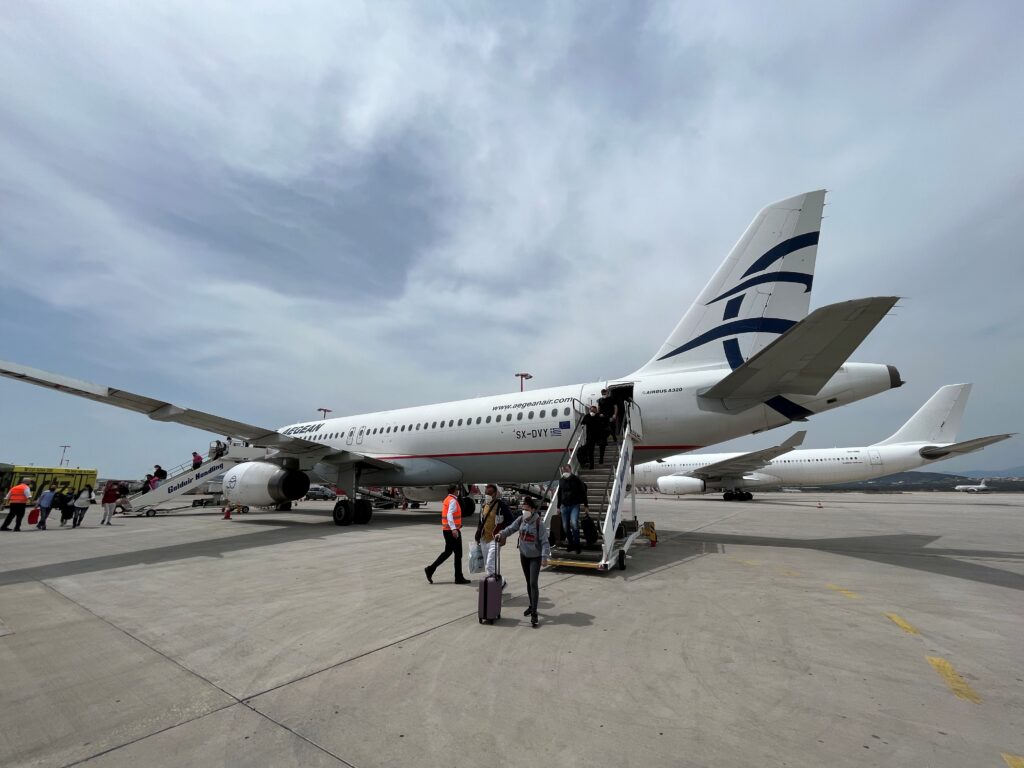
column 262, row 484
column 680, row 484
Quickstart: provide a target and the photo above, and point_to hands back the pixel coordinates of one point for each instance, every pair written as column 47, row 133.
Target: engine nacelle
column 677, row 485
column 262, row 484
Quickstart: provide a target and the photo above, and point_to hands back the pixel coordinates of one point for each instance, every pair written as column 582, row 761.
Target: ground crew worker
column 451, row 529
column 17, row 497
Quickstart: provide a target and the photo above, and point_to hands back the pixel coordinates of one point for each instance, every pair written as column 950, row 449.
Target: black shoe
column 579, row 549
column 463, row 581
column 430, row 574
column 533, row 620
column 527, row 612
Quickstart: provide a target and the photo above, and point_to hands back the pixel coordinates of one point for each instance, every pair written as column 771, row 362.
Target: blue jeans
column 571, row 524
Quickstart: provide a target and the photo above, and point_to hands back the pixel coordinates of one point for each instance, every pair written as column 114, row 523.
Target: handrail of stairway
column 568, row 456
column 618, row 487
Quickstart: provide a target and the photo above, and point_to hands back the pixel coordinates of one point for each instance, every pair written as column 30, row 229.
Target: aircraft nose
column 894, row 377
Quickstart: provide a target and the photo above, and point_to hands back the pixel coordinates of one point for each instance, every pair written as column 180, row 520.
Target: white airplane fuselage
column 818, row 466
column 520, row 437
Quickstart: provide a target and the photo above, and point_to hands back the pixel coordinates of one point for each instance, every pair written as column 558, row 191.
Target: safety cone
column 819, row 505
column 227, row 512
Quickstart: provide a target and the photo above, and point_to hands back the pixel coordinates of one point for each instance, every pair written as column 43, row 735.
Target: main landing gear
column 347, row 512
column 737, row 496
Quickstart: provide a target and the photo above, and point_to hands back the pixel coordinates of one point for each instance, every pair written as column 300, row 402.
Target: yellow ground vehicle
column 42, row 477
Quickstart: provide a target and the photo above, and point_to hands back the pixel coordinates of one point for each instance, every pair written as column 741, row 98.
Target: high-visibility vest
column 444, row 512
column 19, row 494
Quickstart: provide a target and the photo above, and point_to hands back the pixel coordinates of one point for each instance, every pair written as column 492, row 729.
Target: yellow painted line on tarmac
column 790, row 572
column 956, row 683
column 750, row 562
column 1013, row 761
column 902, row 623
column 844, row 592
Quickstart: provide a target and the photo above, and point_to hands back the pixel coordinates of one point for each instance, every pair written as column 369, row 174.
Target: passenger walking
column 572, row 494
column 451, row 527
column 152, row 481
column 610, row 410
column 111, row 493
column 62, row 502
column 597, row 435
column 534, row 551
column 197, row 460
column 494, row 516
column 45, row 505
column 159, row 473
column 17, row 498
column 82, row 502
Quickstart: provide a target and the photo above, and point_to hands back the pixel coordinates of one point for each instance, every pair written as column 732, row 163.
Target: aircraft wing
column 158, row 410
column 805, row 357
column 738, row 466
column 967, row 446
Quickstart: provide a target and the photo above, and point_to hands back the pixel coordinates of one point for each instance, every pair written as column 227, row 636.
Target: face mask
column 527, row 513
column 565, row 474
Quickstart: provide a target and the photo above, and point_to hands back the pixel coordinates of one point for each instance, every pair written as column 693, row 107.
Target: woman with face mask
column 534, row 551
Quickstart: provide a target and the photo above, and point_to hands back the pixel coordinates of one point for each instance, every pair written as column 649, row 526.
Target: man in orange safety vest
column 451, row 528
column 17, row 497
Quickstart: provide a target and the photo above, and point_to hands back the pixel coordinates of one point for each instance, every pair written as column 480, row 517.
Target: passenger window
column 566, row 411
column 433, row 425
column 530, row 415
column 460, row 422
column 488, row 419
column 477, row 419
column 417, row 427
column 451, row 422
column 360, row 431
column 519, row 416
column 508, row 417
column 542, row 413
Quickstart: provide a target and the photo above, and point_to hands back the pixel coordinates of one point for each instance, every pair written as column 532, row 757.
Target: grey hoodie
column 529, row 534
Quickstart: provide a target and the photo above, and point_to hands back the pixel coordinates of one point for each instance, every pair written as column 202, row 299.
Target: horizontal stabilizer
column 737, row 466
column 805, row 357
column 967, row 446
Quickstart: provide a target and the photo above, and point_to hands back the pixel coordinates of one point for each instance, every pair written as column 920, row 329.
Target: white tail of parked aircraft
column 746, row 357
column 928, row 436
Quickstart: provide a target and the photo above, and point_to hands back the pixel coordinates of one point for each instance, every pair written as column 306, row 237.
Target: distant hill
column 929, row 481
column 1011, row 472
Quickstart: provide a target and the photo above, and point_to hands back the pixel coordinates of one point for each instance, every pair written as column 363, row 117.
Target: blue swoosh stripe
column 747, row 325
column 789, row 409
column 732, row 308
column 772, row 277
column 732, row 353
column 781, row 250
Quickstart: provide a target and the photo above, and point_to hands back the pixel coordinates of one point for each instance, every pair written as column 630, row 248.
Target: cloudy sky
column 262, row 209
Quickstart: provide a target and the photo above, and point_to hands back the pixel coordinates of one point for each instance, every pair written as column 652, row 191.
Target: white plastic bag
column 476, row 558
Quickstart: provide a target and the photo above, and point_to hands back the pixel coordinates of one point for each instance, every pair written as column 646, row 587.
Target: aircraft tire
column 746, row 496
column 362, row 511
column 343, row 512
column 622, row 560
column 728, row 496
column 284, row 506
column 468, row 506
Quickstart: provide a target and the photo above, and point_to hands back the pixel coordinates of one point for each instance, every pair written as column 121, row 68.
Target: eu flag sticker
column 563, row 425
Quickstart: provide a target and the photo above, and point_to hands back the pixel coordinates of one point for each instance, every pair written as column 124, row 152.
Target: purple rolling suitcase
column 489, row 603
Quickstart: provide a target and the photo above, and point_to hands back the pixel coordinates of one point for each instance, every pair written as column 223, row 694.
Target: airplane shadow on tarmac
column 904, row 550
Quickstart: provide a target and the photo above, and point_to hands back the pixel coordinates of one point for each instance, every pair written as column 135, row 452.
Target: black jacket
column 571, row 490
column 597, row 426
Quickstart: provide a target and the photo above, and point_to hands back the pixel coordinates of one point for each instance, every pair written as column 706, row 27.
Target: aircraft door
column 351, row 436
column 875, row 456
column 359, row 436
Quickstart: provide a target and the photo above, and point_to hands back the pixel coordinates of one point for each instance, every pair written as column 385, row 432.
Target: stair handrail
column 611, row 517
column 172, row 473
column 568, row 456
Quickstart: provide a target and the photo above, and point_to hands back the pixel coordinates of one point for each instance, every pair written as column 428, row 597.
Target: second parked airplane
column 928, row 437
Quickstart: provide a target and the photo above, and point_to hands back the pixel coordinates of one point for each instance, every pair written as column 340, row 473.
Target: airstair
column 184, row 478
column 609, row 488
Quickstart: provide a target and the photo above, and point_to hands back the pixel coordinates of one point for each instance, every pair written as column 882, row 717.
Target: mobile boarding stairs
column 608, row 488
column 183, row 478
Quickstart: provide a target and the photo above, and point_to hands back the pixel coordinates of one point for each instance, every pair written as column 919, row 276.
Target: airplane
column 929, row 436
column 982, row 487
column 746, row 357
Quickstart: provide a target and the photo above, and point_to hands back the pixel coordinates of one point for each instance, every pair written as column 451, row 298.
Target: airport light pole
column 324, row 411
column 63, row 450
column 522, row 379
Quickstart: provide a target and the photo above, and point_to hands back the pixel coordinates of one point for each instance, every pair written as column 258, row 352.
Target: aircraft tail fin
column 760, row 291
column 937, row 421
